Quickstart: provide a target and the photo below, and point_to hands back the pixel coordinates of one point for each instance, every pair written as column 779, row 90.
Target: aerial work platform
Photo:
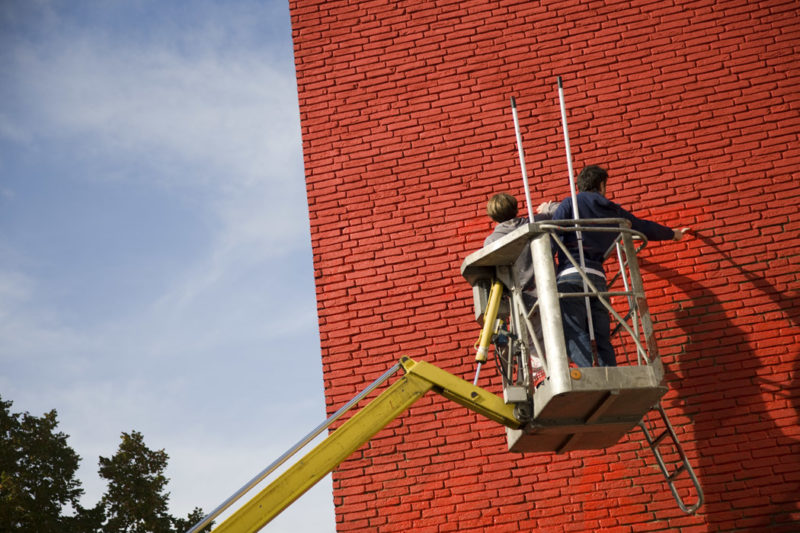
column 573, row 408
column 562, row 407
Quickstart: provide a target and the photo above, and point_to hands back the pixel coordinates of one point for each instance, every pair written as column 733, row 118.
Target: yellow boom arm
column 420, row 377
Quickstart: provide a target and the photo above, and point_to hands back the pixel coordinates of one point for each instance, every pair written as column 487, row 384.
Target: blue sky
column 155, row 258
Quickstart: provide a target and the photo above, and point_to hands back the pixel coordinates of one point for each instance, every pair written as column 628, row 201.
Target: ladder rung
column 677, row 472
column 658, row 439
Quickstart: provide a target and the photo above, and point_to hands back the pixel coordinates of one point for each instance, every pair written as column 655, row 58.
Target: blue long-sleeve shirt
column 595, row 244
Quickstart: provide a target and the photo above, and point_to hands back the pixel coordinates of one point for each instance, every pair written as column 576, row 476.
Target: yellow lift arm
column 420, row 378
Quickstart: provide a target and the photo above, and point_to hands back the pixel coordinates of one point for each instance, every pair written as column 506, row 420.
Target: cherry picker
column 547, row 407
column 570, row 409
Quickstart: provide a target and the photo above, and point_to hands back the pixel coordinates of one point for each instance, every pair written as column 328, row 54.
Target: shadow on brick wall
column 743, row 407
column 787, row 301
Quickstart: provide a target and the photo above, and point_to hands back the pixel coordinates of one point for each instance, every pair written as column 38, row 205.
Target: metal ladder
column 683, row 466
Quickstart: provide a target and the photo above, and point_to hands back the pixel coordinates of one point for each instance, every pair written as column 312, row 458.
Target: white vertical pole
column 572, row 192
column 522, row 159
column 575, row 215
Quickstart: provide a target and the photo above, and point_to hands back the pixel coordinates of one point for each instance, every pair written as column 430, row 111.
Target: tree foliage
column 135, row 501
column 184, row 524
column 39, row 491
column 37, row 472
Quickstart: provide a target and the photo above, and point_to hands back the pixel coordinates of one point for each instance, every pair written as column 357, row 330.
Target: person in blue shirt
column 592, row 203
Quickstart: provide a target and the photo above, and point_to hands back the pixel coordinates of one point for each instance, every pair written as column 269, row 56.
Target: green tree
column 37, row 473
column 37, row 483
column 135, row 501
column 181, row 525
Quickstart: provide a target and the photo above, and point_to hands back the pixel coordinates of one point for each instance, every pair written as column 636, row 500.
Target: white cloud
column 207, row 122
column 232, row 119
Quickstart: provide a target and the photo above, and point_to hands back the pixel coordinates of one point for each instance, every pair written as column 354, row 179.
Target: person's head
column 592, row 179
column 502, row 207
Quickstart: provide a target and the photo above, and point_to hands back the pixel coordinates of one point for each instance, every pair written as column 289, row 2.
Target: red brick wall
column 694, row 107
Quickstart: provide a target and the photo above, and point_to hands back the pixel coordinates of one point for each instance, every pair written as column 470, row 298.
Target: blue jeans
column 576, row 324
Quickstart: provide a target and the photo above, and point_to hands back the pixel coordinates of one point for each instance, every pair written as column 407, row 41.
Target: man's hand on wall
column 679, row 233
